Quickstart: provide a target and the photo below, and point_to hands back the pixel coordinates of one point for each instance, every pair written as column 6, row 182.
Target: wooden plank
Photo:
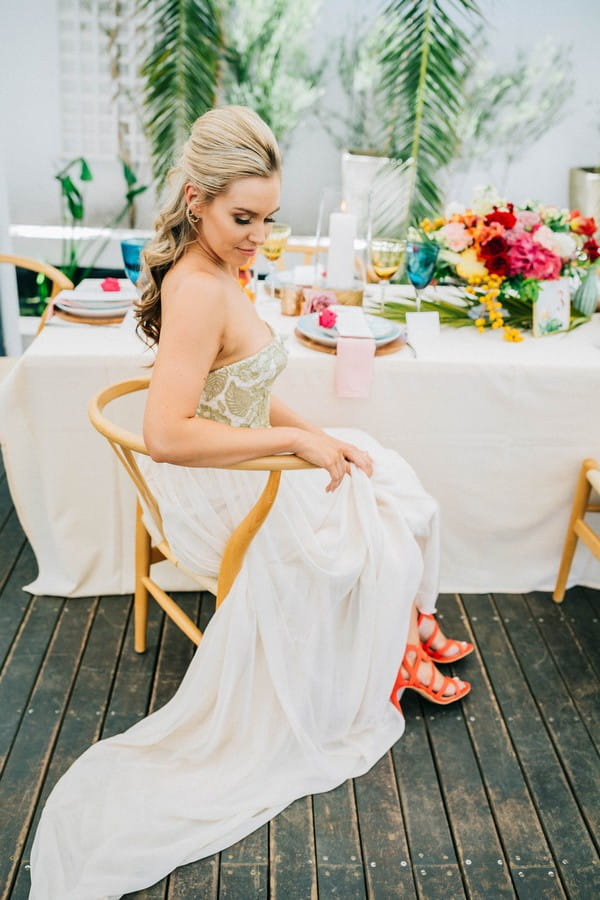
column 13, row 599
column 382, row 833
column 293, row 867
column 580, row 614
column 28, row 760
column 478, row 846
column 565, row 830
column 12, row 542
column 339, row 855
column 244, row 872
column 571, row 740
column 515, row 816
column 578, row 675
column 431, row 847
column 6, row 504
column 592, row 595
column 21, row 670
column 132, row 689
column 198, row 879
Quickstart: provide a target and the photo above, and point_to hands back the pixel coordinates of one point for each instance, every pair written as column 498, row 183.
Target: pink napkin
column 354, row 366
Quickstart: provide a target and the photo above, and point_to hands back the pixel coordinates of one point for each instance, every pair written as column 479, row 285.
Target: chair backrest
column 58, row 279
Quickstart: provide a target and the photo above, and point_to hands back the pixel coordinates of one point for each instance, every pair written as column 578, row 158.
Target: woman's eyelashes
column 240, row 221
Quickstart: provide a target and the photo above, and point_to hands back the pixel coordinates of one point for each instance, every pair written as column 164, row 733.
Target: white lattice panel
column 101, row 49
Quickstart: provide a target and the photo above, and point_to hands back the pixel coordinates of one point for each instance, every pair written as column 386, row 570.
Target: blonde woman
column 295, row 686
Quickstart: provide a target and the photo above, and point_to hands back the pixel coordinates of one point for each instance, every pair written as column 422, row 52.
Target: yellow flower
column 469, row 266
column 497, row 323
column 426, row 225
column 512, row 334
column 437, row 223
column 480, row 323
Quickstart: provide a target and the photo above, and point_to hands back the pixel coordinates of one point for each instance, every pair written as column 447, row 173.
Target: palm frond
column 181, row 72
column 425, row 58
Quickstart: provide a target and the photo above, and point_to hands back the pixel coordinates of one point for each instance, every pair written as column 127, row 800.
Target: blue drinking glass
column 421, row 259
column 131, row 250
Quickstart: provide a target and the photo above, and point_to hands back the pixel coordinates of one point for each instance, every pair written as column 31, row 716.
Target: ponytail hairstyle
column 224, row 144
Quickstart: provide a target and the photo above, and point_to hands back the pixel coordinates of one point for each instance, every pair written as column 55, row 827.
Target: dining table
column 496, row 432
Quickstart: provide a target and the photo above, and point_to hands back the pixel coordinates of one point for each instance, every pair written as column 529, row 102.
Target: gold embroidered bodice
column 238, row 394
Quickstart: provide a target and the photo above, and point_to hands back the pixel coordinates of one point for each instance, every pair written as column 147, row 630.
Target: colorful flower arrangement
column 499, row 254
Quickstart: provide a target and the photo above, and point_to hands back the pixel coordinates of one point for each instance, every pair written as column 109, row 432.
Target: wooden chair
column 126, row 444
column 59, row 280
column 589, row 477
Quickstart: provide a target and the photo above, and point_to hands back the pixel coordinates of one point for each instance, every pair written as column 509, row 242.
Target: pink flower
column 526, row 220
column 110, row 284
column 456, row 236
column 527, row 257
column 327, row 318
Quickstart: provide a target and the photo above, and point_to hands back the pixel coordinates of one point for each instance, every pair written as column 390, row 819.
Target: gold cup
column 292, row 299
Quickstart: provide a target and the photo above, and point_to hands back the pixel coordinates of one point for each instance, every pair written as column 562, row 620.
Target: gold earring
column 191, row 216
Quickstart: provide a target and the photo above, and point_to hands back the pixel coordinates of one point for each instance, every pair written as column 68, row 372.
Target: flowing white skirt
column 288, row 692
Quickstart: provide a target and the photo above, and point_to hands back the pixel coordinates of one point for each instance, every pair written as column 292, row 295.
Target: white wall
column 30, row 120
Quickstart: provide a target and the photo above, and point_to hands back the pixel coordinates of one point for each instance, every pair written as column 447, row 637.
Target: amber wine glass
column 387, row 255
column 274, row 246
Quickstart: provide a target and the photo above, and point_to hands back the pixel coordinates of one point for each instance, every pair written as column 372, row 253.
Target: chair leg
column 142, row 570
column 582, row 496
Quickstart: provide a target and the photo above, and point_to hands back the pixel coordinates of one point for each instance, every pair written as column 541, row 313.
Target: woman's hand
column 333, row 455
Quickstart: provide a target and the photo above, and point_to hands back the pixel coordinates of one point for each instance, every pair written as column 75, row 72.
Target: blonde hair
column 224, row 144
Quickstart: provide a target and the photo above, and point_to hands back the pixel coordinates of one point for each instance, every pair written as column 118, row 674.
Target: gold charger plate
column 393, row 347
column 89, row 320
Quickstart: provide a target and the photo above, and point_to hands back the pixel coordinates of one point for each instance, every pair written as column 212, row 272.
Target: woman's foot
column 435, row 643
column 418, row 673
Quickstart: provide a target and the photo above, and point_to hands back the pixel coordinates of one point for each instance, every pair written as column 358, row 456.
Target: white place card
column 351, row 321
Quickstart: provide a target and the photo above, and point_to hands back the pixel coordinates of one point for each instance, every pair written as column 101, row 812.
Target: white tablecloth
column 496, row 432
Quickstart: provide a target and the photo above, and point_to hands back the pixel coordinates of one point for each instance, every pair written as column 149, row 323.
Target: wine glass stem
column 418, row 299
column 382, row 292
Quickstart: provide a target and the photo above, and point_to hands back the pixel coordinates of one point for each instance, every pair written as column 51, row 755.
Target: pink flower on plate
column 527, row 257
column 110, row 284
column 327, row 318
column 456, row 236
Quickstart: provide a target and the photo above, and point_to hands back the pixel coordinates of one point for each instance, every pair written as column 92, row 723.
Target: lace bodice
column 238, row 394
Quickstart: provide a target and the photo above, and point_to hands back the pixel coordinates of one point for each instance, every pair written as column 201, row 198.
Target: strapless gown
column 288, row 692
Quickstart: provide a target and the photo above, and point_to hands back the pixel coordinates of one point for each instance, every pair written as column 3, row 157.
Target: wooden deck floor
column 497, row 797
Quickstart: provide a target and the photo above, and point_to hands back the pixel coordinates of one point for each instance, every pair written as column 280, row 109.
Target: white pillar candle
column 340, row 259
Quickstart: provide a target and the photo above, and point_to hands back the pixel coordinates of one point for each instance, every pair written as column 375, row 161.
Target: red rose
column 592, row 248
column 496, row 246
column 497, row 265
column 506, row 218
column 327, row 318
column 110, row 284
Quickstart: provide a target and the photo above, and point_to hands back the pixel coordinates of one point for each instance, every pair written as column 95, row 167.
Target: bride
column 295, row 686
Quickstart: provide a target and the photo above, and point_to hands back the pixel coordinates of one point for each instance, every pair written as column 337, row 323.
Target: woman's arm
column 192, row 333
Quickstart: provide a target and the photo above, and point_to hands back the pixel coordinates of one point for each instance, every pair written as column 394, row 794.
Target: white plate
column 94, row 304
column 382, row 330
column 104, row 313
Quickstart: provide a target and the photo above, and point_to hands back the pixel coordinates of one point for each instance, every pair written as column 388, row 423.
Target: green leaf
column 425, row 59
column 85, row 173
column 134, row 192
column 128, row 174
column 181, row 72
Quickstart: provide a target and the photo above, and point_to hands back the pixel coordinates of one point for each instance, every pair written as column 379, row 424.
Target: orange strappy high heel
column 413, row 682
column 439, row 654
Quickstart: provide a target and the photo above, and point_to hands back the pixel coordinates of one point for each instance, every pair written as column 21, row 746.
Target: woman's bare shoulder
column 193, row 294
